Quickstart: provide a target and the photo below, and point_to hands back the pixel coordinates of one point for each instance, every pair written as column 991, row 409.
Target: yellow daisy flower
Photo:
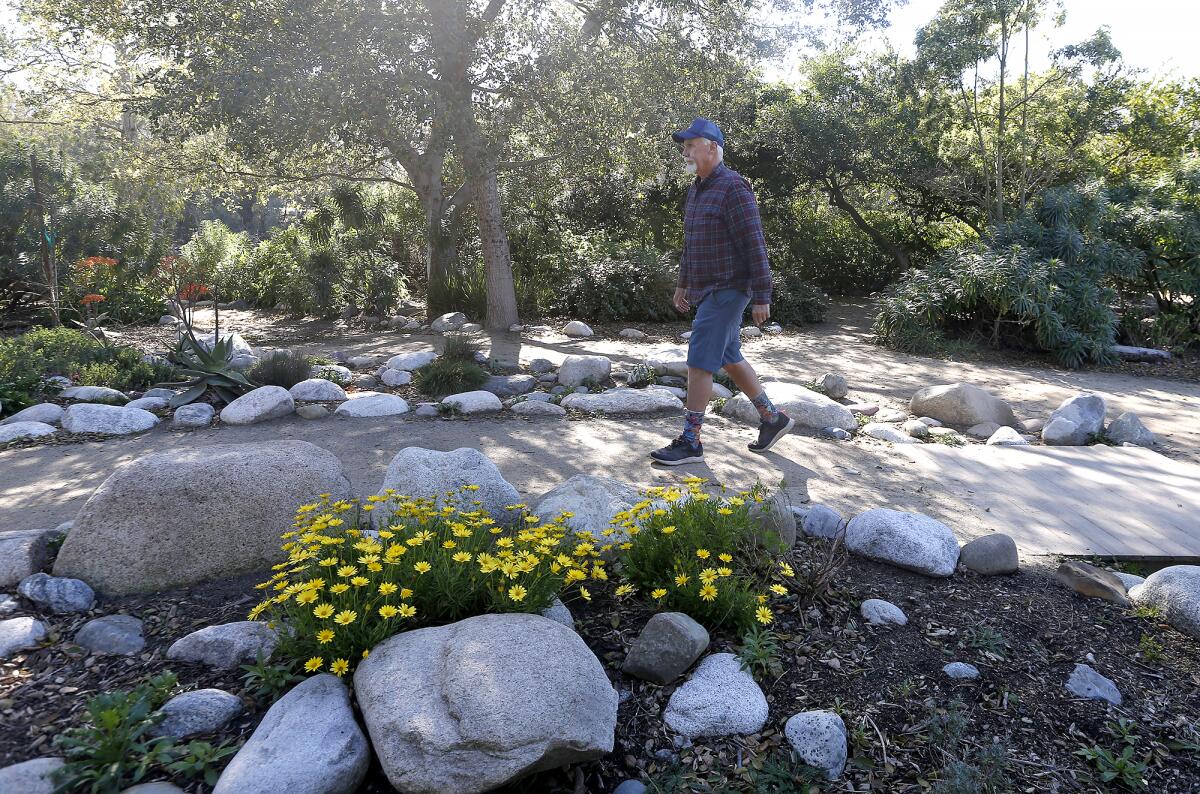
column 340, row 666
column 325, row 635
column 313, row 664
column 323, row 610
column 345, row 617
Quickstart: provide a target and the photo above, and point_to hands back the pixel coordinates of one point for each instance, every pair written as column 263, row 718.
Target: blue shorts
column 716, row 331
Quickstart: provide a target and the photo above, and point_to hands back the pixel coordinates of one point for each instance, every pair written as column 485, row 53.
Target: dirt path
column 45, row 485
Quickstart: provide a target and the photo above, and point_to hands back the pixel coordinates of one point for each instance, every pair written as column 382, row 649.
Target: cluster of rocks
column 455, row 727
column 948, row 412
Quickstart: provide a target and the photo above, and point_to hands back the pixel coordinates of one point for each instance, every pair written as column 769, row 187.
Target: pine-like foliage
column 1043, row 281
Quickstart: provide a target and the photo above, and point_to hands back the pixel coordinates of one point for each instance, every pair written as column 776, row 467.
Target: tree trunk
column 838, row 199
column 456, row 44
column 46, row 248
column 497, row 258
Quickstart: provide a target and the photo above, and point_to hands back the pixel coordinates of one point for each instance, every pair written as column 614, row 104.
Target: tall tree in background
column 433, row 95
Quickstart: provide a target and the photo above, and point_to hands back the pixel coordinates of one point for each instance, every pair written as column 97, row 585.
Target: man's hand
column 680, row 300
column 760, row 313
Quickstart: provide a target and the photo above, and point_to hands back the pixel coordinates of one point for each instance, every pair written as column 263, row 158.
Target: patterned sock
column 766, row 409
column 692, row 421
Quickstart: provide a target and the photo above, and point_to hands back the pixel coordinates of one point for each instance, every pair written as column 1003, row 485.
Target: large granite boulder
column 474, row 402
column 308, row 743
column 624, row 401
column 260, row 405
column 183, row 516
column 808, row 408
column 1075, row 422
column 577, row 369
column 907, row 540
column 17, row 430
column 368, row 404
column 592, row 500
column 109, row 420
column 719, row 699
column 961, row 405
column 1176, row 590
column 317, row 389
column 420, row 472
column 46, row 413
column 24, row 552
column 521, row 694
column 94, row 394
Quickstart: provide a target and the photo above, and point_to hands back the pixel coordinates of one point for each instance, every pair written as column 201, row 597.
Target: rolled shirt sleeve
column 745, row 227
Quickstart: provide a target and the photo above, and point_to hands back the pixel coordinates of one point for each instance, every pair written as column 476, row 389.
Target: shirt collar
column 708, row 180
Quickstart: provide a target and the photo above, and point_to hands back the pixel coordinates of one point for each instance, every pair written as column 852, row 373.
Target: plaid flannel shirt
column 723, row 243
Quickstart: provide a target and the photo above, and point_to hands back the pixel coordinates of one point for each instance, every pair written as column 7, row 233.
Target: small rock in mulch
column 59, row 594
column 1093, row 582
column 719, row 699
column 119, row 634
column 1087, row 683
column 961, row 671
column 819, row 740
column 225, row 646
column 878, row 612
column 196, row 712
column 990, row 555
column 19, row 634
column 30, row 777
column 668, row 645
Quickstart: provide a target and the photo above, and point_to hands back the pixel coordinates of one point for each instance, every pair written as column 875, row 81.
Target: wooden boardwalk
column 1123, row 502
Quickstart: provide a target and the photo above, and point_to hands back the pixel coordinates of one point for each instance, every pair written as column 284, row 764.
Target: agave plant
column 206, row 369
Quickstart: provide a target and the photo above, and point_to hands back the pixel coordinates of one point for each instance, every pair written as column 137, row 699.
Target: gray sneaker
column 769, row 433
column 679, row 452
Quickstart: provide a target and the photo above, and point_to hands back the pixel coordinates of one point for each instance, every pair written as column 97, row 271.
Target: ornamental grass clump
column 347, row 586
column 701, row 554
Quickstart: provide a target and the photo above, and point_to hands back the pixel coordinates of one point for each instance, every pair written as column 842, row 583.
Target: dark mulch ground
column 1025, row 633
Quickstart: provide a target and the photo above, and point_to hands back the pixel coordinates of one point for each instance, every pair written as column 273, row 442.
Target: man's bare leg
column 699, row 390
column 743, row 375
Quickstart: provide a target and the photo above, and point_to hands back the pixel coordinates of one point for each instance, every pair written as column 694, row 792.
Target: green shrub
column 691, row 552
column 113, row 748
column 282, row 368
column 444, row 376
column 431, row 562
column 642, row 375
column 615, row 285
column 795, row 301
column 26, row 359
column 1043, row 282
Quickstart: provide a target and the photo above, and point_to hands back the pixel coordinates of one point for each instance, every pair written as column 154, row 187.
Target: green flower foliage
column 1044, row 281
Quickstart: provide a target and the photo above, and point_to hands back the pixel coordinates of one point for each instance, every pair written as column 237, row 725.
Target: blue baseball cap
column 701, row 128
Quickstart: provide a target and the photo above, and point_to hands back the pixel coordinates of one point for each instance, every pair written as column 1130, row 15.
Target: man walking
column 723, row 268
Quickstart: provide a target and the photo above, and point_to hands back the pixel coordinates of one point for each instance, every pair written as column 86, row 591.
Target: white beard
column 690, row 168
